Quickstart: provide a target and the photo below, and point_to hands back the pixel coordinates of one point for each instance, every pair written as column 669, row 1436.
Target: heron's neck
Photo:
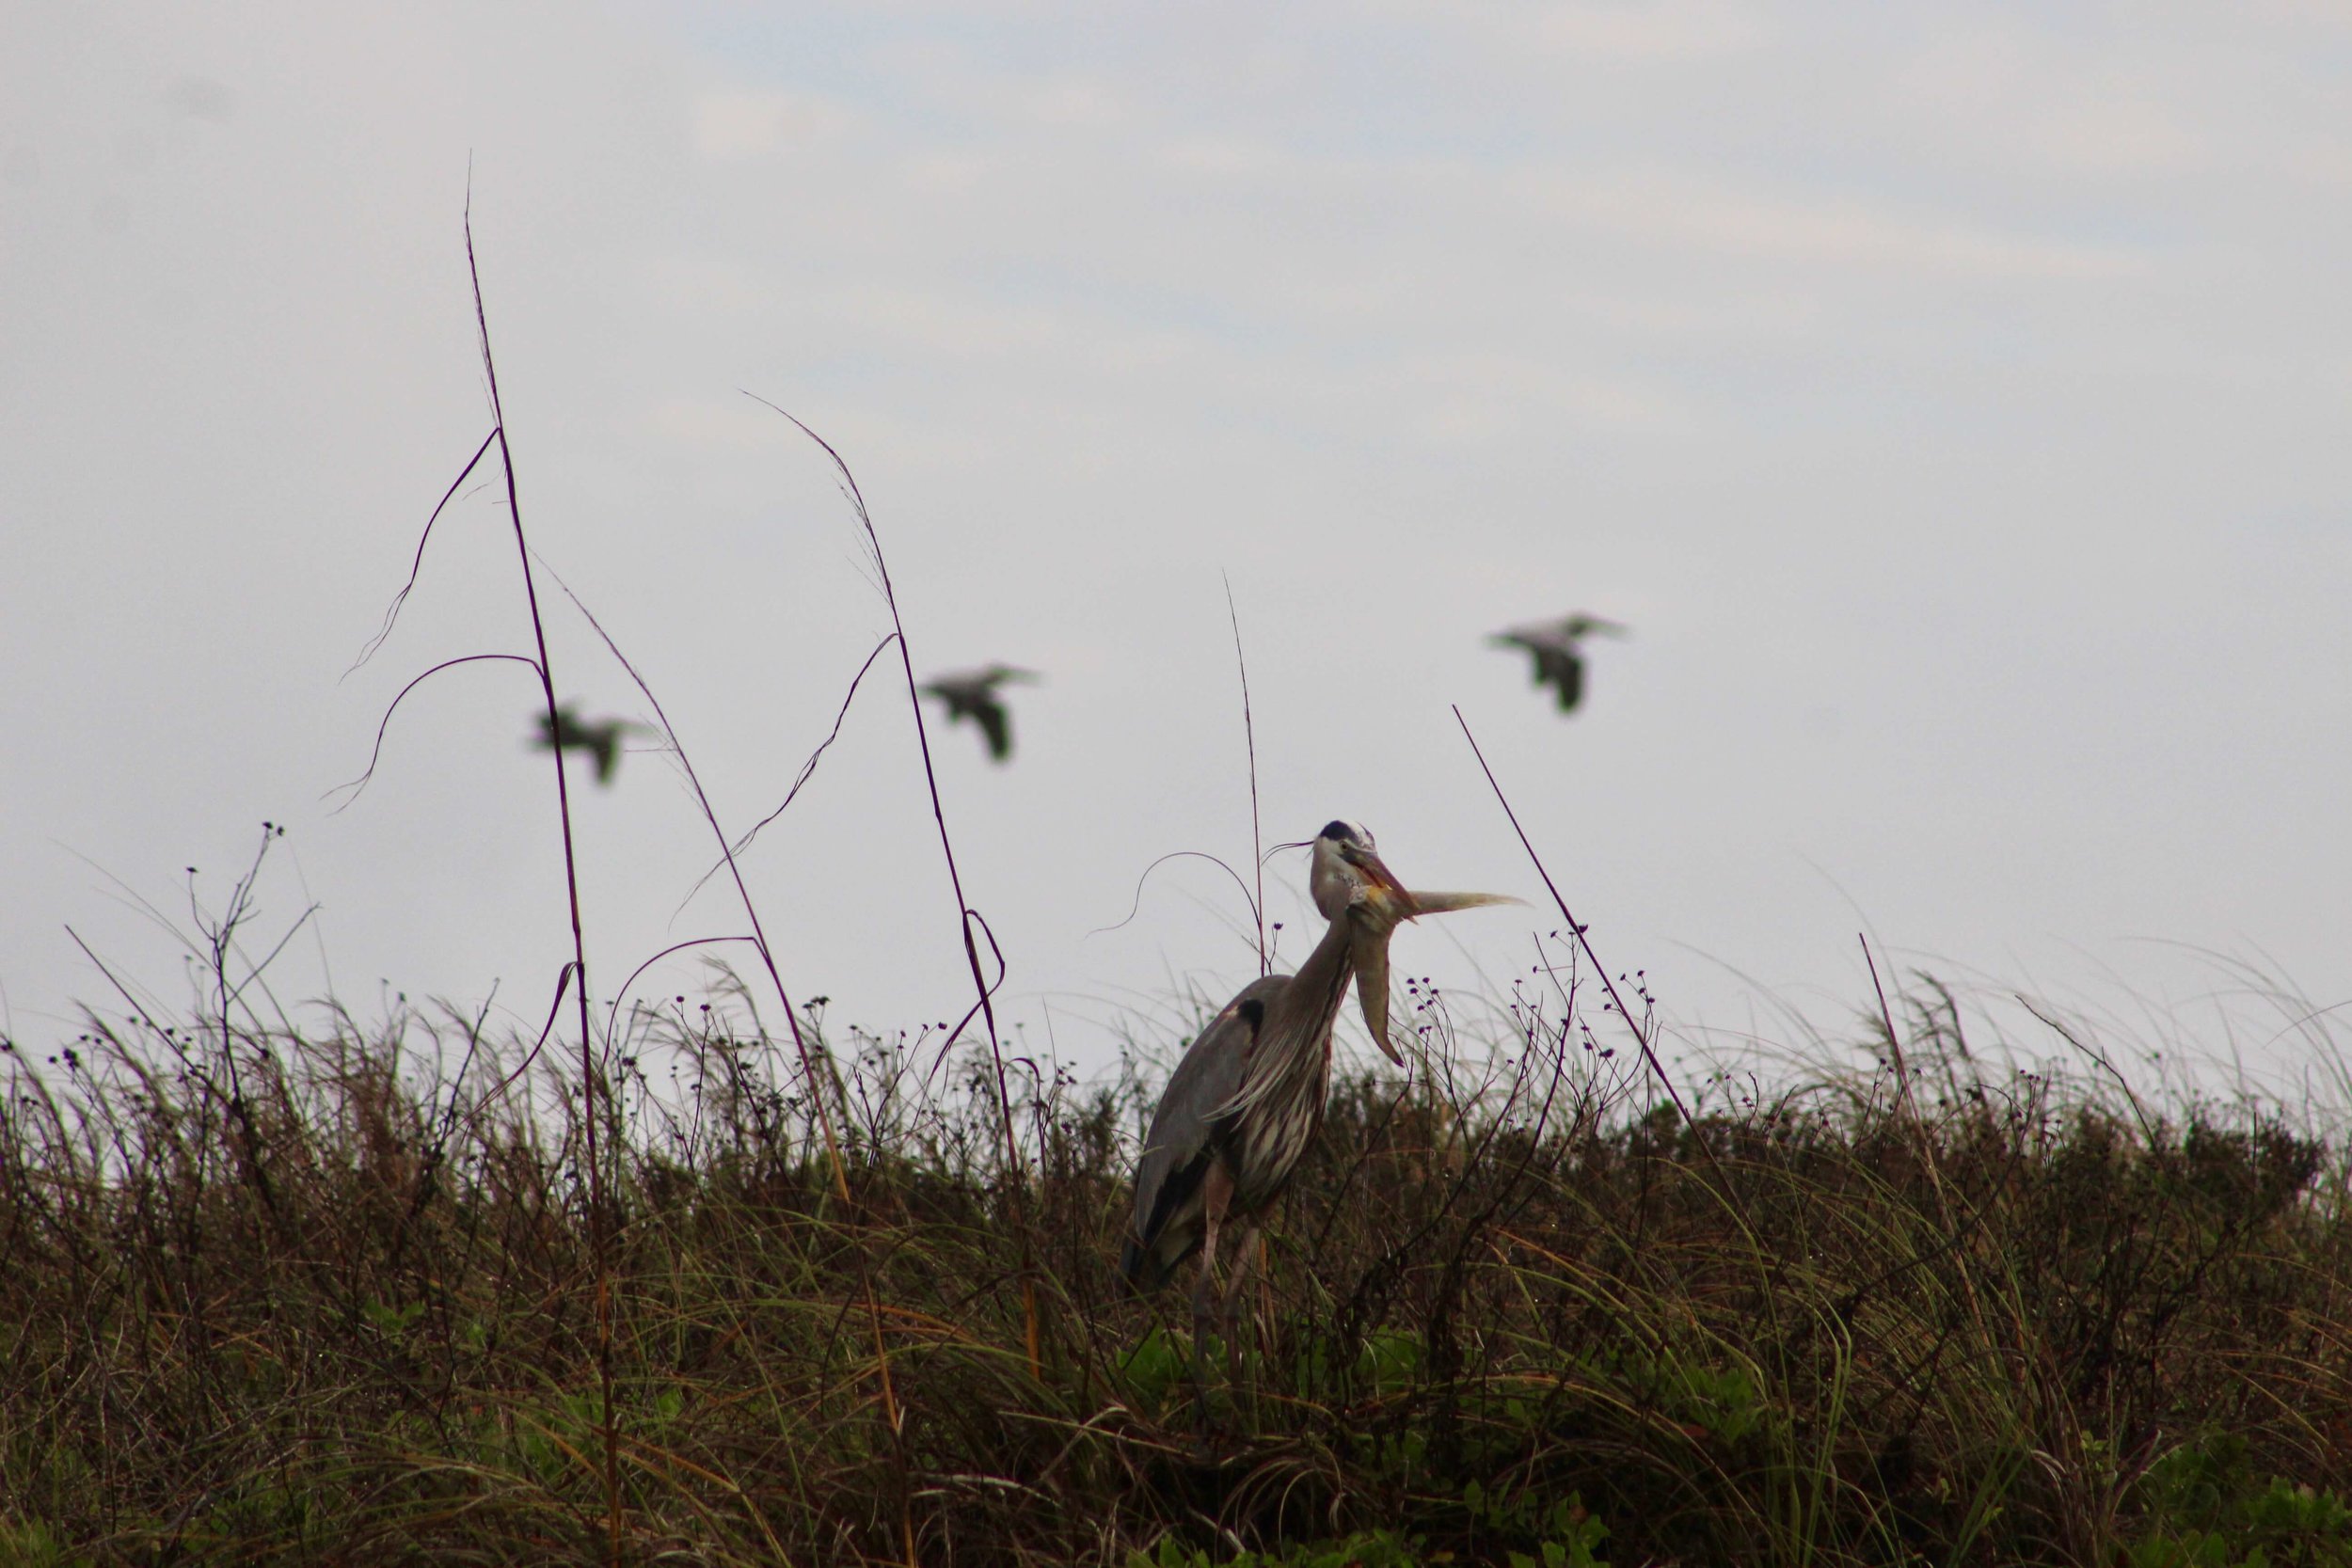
column 1321, row 982
column 1269, row 1122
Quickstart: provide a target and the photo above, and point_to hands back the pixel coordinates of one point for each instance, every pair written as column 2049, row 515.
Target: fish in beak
column 1386, row 905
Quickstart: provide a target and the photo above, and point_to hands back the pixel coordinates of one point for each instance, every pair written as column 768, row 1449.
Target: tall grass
column 346, row 1311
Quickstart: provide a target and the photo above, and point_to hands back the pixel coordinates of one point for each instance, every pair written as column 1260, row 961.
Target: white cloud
column 2045, row 99
column 1672, row 208
column 1660, row 30
column 1795, row 226
column 1482, row 399
column 948, row 172
column 730, row 124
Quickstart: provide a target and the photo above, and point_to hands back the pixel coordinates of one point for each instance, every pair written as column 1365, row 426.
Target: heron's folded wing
column 1209, row 1075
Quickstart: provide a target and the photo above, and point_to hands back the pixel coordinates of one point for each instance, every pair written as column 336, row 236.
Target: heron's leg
column 1245, row 1253
column 1217, row 1192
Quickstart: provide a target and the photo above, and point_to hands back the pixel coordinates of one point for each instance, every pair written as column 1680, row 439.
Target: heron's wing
column 1176, row 1151
column 1209, row 1075
column 607, row 745
column 998, row 723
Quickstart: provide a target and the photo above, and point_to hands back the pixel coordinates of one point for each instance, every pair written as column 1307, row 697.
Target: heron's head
column 1348, row 872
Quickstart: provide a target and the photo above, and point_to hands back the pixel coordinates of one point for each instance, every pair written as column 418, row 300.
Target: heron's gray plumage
column 1176, row 1153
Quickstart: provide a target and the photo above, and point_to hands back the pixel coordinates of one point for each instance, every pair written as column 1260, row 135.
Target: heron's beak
column 1389, row 902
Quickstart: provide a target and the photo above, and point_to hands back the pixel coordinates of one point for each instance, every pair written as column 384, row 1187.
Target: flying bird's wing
column 606, row 744
column 998, row 723
column 1534, row 650
column 1564, row 668
column 1542, row 652
column 1571, row 682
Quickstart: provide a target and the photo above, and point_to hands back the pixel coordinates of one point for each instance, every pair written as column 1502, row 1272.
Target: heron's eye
column 1340, row 830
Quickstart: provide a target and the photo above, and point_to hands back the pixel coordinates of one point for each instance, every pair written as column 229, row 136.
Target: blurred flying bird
column 568, row 731
column 1244, row 1104
column 1559, row 657
column 971, row 694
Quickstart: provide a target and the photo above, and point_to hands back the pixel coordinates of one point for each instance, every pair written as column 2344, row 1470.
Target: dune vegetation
column 359, row 1295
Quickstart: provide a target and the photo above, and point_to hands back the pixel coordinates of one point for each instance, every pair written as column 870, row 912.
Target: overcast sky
column 1952, row 400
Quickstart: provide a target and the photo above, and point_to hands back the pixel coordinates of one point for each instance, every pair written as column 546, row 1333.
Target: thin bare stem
column 743, row 892
column 563, row 979
column 1187, row 854
column 1250, row 739
column 599, row 1222
column 966, row 915
column 391, row 612
column 383, row 725
column 1641, row 1037
column 808, row 769
column 892, row 1415
column 612, row 1010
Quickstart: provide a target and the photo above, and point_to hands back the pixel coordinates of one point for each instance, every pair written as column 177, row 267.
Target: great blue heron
column 568, row 731
column 1559, row 652
column 971, row 694
column 1244, row 1104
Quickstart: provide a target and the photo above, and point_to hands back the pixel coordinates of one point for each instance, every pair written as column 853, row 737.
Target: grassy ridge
column 330, row 1297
